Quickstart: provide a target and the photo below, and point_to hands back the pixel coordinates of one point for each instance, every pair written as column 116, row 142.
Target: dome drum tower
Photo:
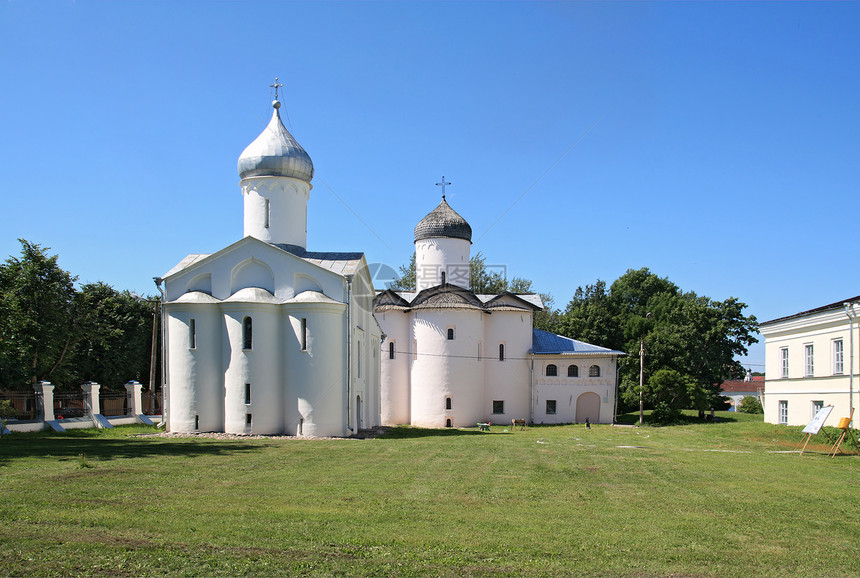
column 276, row 173
column 443, row 242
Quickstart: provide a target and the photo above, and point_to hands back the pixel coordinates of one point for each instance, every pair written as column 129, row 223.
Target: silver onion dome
column 443, row 221
column 275, row 153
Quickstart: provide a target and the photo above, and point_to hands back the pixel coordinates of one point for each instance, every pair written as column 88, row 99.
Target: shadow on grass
column 71, row 445
column 407, row 432
column 685, row 418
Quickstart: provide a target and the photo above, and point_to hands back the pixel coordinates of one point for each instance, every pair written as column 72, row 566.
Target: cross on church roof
column 276, row 86
column 443, row 184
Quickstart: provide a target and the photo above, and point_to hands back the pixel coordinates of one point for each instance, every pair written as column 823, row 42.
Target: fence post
column 91, row 394
column 135, row 405
column 47, row 409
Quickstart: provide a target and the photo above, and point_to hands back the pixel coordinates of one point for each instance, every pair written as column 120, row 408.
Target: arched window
column 247, row 334
column 573, row 371
column 594, row 371
column 450, row 333
column 551, row 370
column 358, row 356
column 443, row 277
column 304, row 330
column 501, row 351
column 390, row 350
column 447, row 403
column 192, row 334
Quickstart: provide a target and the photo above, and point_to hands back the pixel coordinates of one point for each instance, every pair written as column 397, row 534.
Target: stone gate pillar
column 135, row 403
column 47, row 409
column 91, row 393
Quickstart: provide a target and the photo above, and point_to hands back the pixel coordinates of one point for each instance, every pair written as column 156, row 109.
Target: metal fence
column 25, row 403
column 114, row 403
column 151, row 402
column 71, row 404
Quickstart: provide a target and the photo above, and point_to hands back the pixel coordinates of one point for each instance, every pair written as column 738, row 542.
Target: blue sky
column 715, row 143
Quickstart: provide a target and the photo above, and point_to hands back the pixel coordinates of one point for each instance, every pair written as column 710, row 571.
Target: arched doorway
column 588, row 406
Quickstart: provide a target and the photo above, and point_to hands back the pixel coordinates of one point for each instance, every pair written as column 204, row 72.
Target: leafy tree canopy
column 692, row 335
column 37, row 316
column 51, row 331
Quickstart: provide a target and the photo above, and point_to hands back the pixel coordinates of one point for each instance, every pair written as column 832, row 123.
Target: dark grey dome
column 443, row 221
column 275, row 153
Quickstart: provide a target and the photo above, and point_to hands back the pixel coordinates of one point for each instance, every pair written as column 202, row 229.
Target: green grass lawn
column 717, row 499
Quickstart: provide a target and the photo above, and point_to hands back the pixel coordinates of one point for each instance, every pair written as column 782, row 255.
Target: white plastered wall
column 259, row 366
column 507, row 380
column 394, row 378
column 568, row 391
column 825, row 384
column 287, row 218
column 446, row 368
column 442, row 255
column 316, row 404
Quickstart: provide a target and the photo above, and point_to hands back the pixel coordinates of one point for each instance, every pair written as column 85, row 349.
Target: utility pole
column 641, row 378
column 642, row 372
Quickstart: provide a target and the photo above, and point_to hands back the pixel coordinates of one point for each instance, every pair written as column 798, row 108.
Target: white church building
column 454, row 358
column 264, row 336
column 267, row 337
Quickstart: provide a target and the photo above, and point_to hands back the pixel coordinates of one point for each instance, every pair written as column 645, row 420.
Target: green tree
column 590, row 317
column 406, row 280
column 37, row 317
column 695, row 336
column 7, row 412
column 749, row 404
column 115, row 336
column 484, row 281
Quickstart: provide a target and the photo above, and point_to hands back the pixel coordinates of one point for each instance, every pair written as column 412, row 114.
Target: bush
column 664, row 414
column 750, row 404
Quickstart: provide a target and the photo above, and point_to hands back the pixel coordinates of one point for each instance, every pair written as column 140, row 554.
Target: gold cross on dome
column 276, row 86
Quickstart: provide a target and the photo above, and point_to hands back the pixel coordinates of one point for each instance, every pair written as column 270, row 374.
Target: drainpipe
column 164, row 372
column 849, row 311
column 532, row 387
column 349, row 353
column 617, row 387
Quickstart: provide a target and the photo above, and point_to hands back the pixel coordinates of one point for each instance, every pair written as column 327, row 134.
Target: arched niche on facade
column 202, row 283
column 304, row 282
column 252, row 273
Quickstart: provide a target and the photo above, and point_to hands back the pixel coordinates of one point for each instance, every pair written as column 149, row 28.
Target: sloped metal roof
column 342, row 263
column 186, row 262
column 546, row 343
column 822, row 309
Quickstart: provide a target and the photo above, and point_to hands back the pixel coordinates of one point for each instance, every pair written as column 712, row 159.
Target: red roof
column 741, row 385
